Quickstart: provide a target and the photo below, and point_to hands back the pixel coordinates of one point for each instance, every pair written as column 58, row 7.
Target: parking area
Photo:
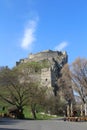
column 11, row 124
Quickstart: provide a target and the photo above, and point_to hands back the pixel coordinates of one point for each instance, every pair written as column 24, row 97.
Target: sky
column 32, row 26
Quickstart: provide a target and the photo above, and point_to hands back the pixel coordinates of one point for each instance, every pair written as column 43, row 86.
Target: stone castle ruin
column 49, row 75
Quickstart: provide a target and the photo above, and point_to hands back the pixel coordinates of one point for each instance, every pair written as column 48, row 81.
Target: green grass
column 28, row 114
column 43, row 117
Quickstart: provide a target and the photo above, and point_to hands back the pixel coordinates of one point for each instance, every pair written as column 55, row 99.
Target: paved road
column 41, row 125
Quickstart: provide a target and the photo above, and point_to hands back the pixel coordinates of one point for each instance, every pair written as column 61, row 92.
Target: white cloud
column 29, row 34
column 61, row 46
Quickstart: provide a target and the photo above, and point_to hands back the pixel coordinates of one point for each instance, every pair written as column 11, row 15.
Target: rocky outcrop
column 50, row 74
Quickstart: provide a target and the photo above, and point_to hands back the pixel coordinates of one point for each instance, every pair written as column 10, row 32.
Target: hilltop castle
column 48, row 76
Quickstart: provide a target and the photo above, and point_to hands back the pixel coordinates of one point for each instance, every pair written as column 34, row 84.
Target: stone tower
column 46, row 77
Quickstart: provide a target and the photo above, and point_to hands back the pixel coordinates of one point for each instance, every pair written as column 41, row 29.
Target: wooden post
column 68, row 111
column 81, row 110
column 85, row 108
column 71, row 110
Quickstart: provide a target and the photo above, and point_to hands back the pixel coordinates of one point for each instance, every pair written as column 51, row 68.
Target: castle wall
column 46, row 79
column 47, row 55
column 60, row 57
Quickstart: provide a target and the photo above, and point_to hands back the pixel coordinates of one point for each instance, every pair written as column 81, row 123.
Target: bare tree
column 65, row 84
column 79, row 77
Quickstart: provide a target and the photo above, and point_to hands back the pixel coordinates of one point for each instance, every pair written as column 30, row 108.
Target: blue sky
column 31, row 26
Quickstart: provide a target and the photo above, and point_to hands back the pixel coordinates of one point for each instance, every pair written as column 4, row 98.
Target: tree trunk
column 20, row 114
column 33, row 111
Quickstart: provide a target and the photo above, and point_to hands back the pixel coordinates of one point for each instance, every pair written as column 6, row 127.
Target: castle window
column 46, row 79
column 36, row 70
